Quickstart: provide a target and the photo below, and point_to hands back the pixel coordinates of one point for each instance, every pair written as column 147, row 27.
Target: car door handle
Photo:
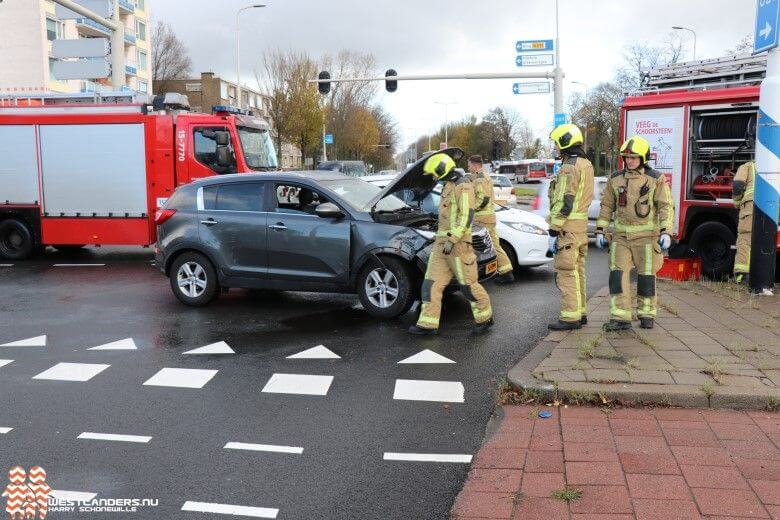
column 209, row 222
column 278, row 226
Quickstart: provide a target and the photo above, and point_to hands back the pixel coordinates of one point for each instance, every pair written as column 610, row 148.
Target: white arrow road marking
column 228, row 509
column 181, row 377
column 122, row 344
column 318, row 352
column 300, row 384
column 419, row 390
column 766, row 31
column 4, row 362
column 263, row 447
column 113, row 437
column 6, row 265
column 219, row 347
column 425, row 357
column 428, row 457
column 37, row 341
column 72, row 372
column 5, row 430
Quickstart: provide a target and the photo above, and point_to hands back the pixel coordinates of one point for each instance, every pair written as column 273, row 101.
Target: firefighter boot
column 481, row 328
column 565, row 325
column 419, row 331
column 616, row 325
column 584, row 319
column 505, row 278
column 646, row 323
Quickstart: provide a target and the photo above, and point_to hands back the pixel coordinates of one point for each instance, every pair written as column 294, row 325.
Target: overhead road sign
column 82, row 69
column 104, row 8
column 80, row 48
column 534, row 45
column 328, row 138
column 534, row 87
column 767, row 21
column 534, row 60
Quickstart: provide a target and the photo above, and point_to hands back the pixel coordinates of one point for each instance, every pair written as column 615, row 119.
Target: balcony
column 89, row 27
column 126, row 7
column 129, row 36
column 131, row 68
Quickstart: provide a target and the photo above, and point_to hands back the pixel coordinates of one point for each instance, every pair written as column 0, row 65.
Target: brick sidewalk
column 656, row 463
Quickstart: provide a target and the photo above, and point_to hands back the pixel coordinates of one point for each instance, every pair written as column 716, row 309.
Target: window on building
column 143, row 86
column 140, row 4
column 54, row 29
column 142, row 60
column 52, row 61
column 223, row 90
column 140, row 31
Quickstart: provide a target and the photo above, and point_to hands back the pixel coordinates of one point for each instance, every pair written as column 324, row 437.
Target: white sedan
column 503, row 191
column 523, row 234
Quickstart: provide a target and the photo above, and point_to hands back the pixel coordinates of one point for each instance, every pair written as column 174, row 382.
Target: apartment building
column 28, row 28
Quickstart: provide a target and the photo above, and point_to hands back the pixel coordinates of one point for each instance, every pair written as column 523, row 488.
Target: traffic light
column 497, row 149
column 391, row 86
column 324, row 87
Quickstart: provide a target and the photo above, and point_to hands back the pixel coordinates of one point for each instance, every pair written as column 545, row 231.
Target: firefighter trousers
column 644, row 254
column 570, row 276
column 504, row 264
column 744, row 236
column 461, row 264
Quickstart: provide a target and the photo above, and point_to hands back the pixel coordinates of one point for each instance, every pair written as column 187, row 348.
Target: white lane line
column 5, row 430
column 37, row 341
column 428, row 457
column 6, row 265
column 219, row 347
column 228, row 509
column 114, row 437
column 4, row 362
column 318, row 352
column 72, row 372
column 74, row 496
column 263, row 447
column 122, row 344
column 425, row 357
column 419, row 390
column 300, row 384
column 79, row 265
column 181, row 377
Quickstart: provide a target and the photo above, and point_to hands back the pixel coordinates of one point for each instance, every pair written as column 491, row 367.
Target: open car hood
column 414, row 178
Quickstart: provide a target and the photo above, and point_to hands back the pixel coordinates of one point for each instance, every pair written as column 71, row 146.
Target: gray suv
column 303, row 231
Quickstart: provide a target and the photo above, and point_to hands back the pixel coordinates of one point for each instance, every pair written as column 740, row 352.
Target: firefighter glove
column 665, row 241
column 552, row 245
column 447, row 249
column 601, row 241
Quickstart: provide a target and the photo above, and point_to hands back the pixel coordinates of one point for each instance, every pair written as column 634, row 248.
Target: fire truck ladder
column 729, row 71
column 91, row 102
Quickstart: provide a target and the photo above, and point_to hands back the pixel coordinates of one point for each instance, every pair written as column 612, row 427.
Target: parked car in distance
column 541, row 204
column 351, row 168
column 503, row 191
column 523, row 234
column 302, row 231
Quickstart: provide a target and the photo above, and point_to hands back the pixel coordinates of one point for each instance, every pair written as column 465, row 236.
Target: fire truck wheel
column 193, row 279
column 16, row 240
column 712, row 242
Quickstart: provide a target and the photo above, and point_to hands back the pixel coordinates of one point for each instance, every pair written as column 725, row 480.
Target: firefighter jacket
column 485, row 211
column 456, row 209
column 744, row 180
column 641, row 202
column 570, row 195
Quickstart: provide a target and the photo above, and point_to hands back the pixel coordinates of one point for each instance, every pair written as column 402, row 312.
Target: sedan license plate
column 491, row 267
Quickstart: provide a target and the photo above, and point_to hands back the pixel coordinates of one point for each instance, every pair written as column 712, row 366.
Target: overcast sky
column 451, row 36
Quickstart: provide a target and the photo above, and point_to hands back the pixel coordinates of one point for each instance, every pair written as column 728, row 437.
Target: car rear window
column 182, row 199
column 239, row 196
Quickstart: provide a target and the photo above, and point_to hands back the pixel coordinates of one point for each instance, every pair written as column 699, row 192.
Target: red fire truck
column 700, row 120
column 92, row 169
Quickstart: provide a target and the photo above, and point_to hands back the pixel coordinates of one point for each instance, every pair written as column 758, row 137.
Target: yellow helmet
column 438, row 165
column 566, row 136
column 636, row 147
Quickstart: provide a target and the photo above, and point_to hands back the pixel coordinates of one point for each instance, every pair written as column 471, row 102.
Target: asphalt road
column 340, row 473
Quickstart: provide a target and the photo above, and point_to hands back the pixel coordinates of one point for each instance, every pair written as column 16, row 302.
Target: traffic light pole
column 426, row 77
column 558, row 71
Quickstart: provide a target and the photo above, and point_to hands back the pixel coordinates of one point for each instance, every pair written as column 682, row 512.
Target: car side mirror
column 223, row 157
column 222, row 138
column 328, row 210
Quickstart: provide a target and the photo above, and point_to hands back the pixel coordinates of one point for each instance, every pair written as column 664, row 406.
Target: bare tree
column 743, row 46
column 170, row 58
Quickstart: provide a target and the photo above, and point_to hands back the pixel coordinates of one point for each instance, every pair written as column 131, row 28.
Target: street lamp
column 446, row 120
column 678, row 28
column 238, row 51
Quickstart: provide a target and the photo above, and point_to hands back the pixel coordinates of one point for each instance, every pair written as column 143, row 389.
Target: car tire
column 712, row 242
column 16, row 240
column 386, row 287
column 510, row 252
column 197, row 270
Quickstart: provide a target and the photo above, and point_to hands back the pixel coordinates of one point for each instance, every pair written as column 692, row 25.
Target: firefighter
column 641, row 201
column 742, row 193
column 485, row 215
column 452, row 254
column 570, row 196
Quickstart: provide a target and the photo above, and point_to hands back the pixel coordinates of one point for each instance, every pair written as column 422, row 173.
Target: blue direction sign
column 534, row 60
column 533, row 87
column 560, row 119
column 535, row 45
column 767, row 21
column 328, row 138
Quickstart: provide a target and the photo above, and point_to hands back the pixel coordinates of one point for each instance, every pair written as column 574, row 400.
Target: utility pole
column 558, row 71
column 238, row 50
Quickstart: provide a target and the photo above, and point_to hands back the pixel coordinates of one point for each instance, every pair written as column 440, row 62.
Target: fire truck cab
column 92, row 169
column 700, row 120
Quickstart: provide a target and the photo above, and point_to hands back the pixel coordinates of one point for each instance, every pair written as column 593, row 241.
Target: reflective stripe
column 602, row 224
column 430, row 321
column 486, row 314
column 614, row 310
column 648, row 259
column 650, row 226
column 578, row 216
column 560, row 189
column 571, row 315
column 459, row 271
column 485, row 212
column 751, row 180
column 612, row 253
column 463, row 226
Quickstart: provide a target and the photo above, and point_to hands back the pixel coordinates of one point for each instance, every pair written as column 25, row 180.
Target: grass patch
column 644, row 339
column 633, row 363
column 772, row 405
column 708, row 389
column 581, row 398
column 586, row 349
column 507, row 394
column 714, row 370
column 568, row 494
column 525, row 192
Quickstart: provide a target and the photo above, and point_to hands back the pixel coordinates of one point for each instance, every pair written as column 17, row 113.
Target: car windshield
column 537, row 166
column 501, row 181
column 358, row 194
column 258, row 147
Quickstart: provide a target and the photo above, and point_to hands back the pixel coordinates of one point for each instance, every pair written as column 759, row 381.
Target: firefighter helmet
column 439, row 165
column 636, row 147
column 566, row 136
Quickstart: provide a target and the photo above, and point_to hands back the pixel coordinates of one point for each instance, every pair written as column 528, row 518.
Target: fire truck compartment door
column 94, row 170
column 18, row 165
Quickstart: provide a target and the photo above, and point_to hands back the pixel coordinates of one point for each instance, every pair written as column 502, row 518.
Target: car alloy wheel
column 191, row 279
column 381, row 288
